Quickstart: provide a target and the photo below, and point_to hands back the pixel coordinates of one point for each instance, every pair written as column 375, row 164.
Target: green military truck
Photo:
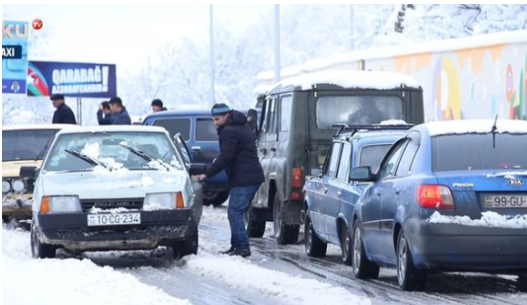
column 295, row 128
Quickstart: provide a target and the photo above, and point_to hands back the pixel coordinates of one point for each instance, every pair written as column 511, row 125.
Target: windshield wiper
column 145, row 156
column 494, row 129
column 86, row 158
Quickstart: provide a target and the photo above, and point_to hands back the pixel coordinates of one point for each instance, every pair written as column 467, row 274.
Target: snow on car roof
column 475, row 126
column 115, row 128
column 380, row 80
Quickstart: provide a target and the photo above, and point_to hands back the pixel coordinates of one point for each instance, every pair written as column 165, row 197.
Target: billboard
column 71, row 79
column 15, row 35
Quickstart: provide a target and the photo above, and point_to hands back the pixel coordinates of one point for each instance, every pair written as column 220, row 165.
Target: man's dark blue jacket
column 63, row 115
column 104, row 119
column 121, row 118
column 238, row 154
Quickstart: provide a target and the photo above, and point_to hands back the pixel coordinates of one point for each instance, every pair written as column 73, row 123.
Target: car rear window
column 372, row 155
column 174, row 126
column 357, row 110
column 477, row 151
column 25, row 144
column 205, row 130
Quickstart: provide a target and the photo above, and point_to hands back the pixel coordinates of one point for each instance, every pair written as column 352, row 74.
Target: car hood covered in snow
column 116, row 184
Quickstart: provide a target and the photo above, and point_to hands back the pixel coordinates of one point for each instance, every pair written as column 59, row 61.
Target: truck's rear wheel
column 255, row 228
column 284, row 233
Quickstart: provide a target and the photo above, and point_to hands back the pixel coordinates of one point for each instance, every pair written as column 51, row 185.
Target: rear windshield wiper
column 145, row 156
column 86, row 158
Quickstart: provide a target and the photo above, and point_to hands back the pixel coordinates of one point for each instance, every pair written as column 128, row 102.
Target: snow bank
column 351, row 79
column 475, row 126
column 67, row 281
column 488, row 219
column 238, row 273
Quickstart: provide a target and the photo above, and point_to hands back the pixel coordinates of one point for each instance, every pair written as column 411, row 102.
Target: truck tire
column 255, row 228
column 284, row 233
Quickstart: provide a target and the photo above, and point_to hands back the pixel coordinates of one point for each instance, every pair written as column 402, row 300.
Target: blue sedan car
column 330, row 198
column 448, row 196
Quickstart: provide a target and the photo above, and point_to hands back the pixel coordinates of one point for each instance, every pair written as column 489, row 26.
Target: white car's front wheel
column 40, row 250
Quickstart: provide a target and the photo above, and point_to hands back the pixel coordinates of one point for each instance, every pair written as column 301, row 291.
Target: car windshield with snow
column 449, row 196
column 108, row 188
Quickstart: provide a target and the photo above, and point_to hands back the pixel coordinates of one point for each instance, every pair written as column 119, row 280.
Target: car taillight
column 296, row 178
column 180, row 204
column 44, row 205
column 434, row 196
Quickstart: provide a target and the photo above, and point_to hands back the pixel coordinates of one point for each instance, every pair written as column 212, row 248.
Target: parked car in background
column 330, row 197
column 22, row 145
column 295, row 132
column 199, row 133
column 115, row 188
column 449, row 196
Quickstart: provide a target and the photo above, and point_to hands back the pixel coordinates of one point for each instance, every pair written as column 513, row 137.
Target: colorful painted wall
column 469, row 83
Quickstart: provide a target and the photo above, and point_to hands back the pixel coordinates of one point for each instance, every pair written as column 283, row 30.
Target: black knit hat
column 219, row 109
column 157, row 102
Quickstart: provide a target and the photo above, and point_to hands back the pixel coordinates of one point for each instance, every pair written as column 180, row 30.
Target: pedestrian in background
column 63, row 114
column 157, row 105
column 104, row 114
column 119, row 114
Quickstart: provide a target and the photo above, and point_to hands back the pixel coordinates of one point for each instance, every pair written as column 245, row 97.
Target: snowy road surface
column 272, row 275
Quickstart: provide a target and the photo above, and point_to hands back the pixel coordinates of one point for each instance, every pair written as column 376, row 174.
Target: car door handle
column 273, row 149
column 397, row 191
column 263, row 150
column 325, row 190
column 196, row 148
column 339, row 194
column 378, row 193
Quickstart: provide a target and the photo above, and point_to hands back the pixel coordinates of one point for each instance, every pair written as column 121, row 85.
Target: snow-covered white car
column 115, row 188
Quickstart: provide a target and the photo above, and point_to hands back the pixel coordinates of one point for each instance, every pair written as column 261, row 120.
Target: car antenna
column 494, row 129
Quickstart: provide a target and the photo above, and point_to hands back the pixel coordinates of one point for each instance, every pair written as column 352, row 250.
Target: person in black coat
column 239, row 158
column 157, row 106
column 119, row 114
column 104, row 114
column 63, row 114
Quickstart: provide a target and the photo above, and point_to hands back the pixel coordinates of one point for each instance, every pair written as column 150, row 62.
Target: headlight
column 6, row 186
column 18, row 185
column 60, row 204
column 163, row 201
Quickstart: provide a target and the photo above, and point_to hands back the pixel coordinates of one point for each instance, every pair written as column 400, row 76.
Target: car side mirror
column 197, row 169
column 28, row 172
column 362, row 173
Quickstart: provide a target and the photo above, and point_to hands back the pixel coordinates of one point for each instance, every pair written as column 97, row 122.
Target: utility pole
column 211, row 54
column 276, row 42
column 352, row 30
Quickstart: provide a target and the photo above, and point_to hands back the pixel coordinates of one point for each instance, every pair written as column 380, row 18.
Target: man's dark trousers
column 239, row 200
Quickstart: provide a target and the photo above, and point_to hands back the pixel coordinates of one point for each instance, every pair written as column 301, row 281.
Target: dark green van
column 295, row 130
